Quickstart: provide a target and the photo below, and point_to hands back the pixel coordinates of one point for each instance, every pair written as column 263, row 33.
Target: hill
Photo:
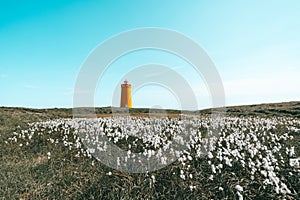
column 49, row 161
column 286, row 109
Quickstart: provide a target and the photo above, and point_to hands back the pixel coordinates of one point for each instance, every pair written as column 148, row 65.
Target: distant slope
column 286, row 109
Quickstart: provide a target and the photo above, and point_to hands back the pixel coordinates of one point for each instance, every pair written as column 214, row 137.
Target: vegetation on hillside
column 259, row 146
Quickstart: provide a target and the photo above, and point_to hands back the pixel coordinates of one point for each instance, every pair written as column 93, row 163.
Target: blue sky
column 255, row 46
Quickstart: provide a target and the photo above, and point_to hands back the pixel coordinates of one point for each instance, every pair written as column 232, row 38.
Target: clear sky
column 255, row 46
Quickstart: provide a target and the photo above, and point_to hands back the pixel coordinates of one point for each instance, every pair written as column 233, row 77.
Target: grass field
column 254, row 156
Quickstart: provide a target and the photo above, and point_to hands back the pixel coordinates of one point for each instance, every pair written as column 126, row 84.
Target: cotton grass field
column 46, row 154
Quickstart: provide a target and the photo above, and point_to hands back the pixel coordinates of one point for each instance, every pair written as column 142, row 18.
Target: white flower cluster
column 254, row 143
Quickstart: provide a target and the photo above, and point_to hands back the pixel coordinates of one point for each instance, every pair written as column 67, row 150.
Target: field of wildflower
column 48, row 154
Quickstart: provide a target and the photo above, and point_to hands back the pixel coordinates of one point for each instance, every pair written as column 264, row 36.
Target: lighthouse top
column 126, row 84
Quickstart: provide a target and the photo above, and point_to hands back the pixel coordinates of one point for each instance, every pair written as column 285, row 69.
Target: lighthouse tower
column 126, row 100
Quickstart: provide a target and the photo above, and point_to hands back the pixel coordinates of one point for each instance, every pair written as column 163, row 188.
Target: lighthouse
column 126, row 100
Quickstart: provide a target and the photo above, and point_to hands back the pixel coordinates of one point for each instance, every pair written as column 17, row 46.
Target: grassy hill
column 286, row 109
column 26, row 173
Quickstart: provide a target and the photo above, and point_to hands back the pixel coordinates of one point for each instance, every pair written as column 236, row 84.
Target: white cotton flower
column 153, row 178
column 109, row 173
column 182, row 176
column 48, row 155
column 213, row 168
column 220, row 166
column 192, row 187
column 292, row 152
column 295, row 162
column 164, row 160
column 228, row 162
column 277, row 189
column 239, row 188
column 118, row 161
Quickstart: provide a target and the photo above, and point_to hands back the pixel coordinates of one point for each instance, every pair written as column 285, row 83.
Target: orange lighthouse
column 126, row 100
